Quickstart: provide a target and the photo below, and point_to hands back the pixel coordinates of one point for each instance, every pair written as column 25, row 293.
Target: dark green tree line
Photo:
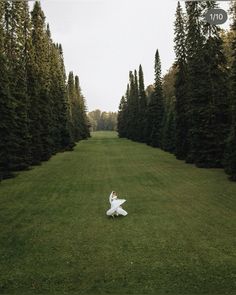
column 77, row 111
column 35, row 120
column 191, row 110
column 208, row 94
column 141, row 116
column 133, row 108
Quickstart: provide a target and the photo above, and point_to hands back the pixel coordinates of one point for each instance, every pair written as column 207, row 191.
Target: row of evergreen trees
column 191, row 112
column 40, row 114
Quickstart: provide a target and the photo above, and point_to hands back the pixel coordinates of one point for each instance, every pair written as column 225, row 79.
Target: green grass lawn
column 178, row 236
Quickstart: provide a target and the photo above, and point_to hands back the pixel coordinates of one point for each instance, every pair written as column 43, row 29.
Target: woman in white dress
column 116, row 203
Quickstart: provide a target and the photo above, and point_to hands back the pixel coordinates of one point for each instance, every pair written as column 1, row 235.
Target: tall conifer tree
column 155, row 109
column 121, row 123
column 41, row 106
column 135, row 109
column 72, row 98
column 132, row 108
column 181, row 87
column 81, row 106
column 142, row 107
column 197, row 81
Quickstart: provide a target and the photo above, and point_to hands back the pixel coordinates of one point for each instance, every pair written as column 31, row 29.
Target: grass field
column 178, row 236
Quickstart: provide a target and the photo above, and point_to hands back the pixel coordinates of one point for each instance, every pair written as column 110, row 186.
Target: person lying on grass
column 116, row 203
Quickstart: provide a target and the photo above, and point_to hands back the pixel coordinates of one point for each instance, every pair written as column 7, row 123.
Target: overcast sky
column 104, row 39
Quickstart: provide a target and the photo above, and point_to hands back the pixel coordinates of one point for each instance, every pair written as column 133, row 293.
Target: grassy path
column 178, row 238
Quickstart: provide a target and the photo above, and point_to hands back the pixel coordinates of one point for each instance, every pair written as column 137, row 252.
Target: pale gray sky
column 104, row 39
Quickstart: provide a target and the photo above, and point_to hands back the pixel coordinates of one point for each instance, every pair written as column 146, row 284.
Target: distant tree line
column 191, row 111
column 40, row 113
column 102, row 120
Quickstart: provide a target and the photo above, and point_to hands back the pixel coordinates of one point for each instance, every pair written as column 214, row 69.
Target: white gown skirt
column 115, row 208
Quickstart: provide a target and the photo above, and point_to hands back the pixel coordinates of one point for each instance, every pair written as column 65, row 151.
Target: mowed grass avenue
column 178, row 236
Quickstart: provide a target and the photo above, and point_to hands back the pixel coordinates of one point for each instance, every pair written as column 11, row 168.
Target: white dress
column 115, row 206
